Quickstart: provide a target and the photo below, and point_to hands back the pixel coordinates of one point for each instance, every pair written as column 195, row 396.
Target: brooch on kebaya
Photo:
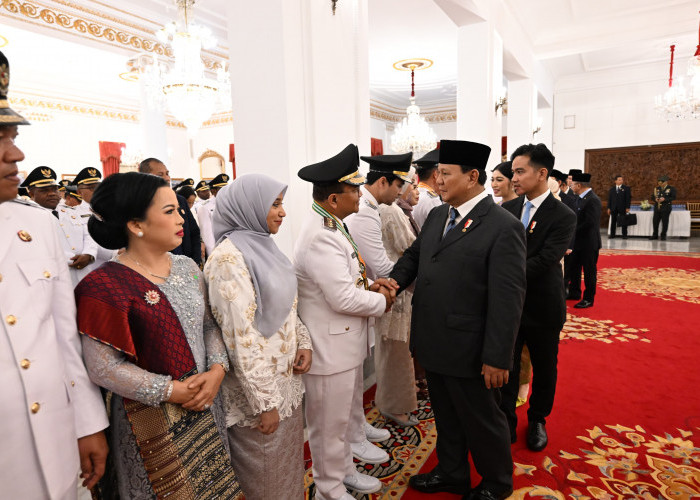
column 152, row 297
column 466, row 225
column 532, row 226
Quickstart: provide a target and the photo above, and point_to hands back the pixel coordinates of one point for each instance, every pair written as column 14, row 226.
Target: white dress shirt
column 535, row 205
column 464, row 209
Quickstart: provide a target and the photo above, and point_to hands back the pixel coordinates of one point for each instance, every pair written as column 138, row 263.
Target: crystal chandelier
column 413, row 133
column 679, row 103
column 190, row 95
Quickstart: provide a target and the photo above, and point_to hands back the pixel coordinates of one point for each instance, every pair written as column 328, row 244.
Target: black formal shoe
column 584, row 304
column 653, row 237
column 536, row 436
column 612, row 236
column 663, row 238
column 624, row 237
column 484, row 494
column 434, row 481
column 572, row 296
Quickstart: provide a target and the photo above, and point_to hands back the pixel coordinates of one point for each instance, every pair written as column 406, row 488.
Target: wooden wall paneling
column 641, row 165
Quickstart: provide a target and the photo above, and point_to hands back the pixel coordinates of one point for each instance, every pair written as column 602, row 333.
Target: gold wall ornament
column 211, row 164
column 391, row 114
column 40, row 14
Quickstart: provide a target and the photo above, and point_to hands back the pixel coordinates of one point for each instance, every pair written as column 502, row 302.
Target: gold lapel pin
column 24, row 235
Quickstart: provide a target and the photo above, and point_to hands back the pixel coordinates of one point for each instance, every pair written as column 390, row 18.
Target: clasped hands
column 198, row 391
column 387, row 287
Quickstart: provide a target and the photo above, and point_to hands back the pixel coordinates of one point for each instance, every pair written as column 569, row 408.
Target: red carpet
column 626, row 420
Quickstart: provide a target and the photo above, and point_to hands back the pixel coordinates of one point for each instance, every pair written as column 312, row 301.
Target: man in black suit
column 468, row 264
column 191, row 240
column 587, row 243
column 549, row 226
column 619, row 201
column 568, row 198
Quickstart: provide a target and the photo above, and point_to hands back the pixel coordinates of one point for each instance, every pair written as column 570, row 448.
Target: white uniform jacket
column 206, row 229
column 366, row 229
column 75, row 240
column 103, row 254
column 427, row 200
column 333, row 302
column 47, row 398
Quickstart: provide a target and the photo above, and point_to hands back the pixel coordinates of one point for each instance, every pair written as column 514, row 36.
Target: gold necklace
column 164, row 278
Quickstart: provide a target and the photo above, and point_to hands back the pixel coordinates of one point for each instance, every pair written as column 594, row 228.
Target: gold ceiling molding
column 79, row 108
column 103, row 15
column 391, row 114
column 40, row 14
column 36, row 104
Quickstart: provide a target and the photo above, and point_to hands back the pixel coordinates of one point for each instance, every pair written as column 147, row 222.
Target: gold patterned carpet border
column 666, row 283
column 618, row 462
column 603, row 330
column 612, row 251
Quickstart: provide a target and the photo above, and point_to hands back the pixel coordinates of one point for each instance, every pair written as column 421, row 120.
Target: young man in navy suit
column 619, row 201
column 549, row 226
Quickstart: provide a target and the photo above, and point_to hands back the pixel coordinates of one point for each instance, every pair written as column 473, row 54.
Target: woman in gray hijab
column 253, row 296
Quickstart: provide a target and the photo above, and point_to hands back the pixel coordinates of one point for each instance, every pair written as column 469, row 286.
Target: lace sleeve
column 213, row 341
column 233, row 304
column 110, row 369
column 303, row 337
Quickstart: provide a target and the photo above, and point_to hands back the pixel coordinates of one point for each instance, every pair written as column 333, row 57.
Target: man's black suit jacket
column 588, row 213
column 547, row 241
column 619, row 201
column 469, row 292
column 191, row 241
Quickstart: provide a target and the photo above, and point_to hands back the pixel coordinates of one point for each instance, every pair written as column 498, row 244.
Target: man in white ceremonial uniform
column 78, row 247
column 52, row 415
column 386, row 177
column 203, row 195
column 335, row 303
column 205, row 212
column 87, row 180
column 426, row 168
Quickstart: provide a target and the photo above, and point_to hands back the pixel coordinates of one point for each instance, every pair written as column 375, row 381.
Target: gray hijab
column 241, row 215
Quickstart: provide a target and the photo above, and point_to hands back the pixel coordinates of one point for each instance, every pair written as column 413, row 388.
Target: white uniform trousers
column 332, row 405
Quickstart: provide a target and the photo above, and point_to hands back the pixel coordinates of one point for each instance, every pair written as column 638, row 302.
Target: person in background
column 203, row 194
column 78, row 246
column 205, row 213
column 268, row 350
column 150, row 339
column 73, row 199
column 336, row 302
column 52, row 415
column 663, row 204
column 426, row 168
column 190, row 246
column 587, row 242
column 188, row 194
column 501, row 182
column 619, row 202
column 87, row 180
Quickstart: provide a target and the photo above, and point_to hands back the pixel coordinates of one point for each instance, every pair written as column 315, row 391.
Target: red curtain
column 232, row 158
column 110, row 156
column 377, row 147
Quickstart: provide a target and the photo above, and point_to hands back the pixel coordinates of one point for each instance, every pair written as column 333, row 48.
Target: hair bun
column 107, row 235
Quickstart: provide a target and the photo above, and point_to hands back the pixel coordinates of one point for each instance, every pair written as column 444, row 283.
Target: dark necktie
column 452, row 222
column 55, row 213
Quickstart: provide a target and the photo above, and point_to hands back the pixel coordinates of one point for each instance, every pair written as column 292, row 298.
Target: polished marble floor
column 691, row 244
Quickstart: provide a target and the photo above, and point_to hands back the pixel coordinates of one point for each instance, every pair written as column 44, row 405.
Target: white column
column 154, row 143
column 522, row 113
column 480, row 75
column 300, row 90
